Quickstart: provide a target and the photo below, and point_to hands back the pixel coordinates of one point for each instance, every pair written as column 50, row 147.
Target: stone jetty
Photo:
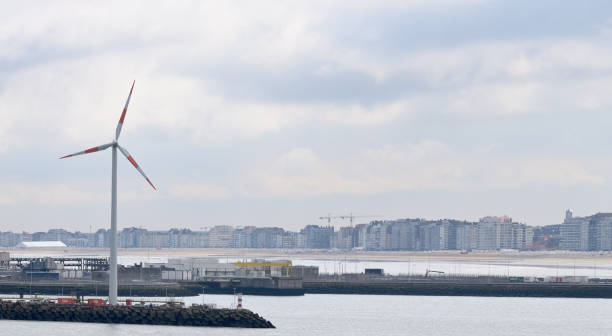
column 200, row 316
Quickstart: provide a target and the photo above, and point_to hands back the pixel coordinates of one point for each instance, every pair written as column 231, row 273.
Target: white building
column 467, row 237
column 496, row 233
column 42, row 244
column 202, row 267
column 574, row 233
column 220, row 236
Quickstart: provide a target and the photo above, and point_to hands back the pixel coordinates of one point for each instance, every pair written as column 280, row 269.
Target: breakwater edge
column 197, row 316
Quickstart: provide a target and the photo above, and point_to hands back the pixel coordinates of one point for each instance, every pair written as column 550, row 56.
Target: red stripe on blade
column 122, row 115
column 150, row 183
column 92, row 149
column 66, row 156
column 132, row 161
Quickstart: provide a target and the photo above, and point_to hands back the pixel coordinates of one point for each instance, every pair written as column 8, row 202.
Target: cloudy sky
column 276, row 113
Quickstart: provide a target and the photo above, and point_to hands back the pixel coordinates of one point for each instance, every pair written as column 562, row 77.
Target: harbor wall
column 572, row 290
column 250, row 288
column 95, row 289
column 446, row 288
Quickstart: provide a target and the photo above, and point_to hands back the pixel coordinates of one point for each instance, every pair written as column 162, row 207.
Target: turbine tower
column 112, row 286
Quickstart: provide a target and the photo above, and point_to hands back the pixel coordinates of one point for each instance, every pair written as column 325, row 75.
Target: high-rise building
column 600, row 232
column 359, row 236
column 603, row 233
column 317, row 237
column 522, row 236
column 344, row 238
column 496, row 233
column 466, row 236
column 290, row 240
column 574, row 233
column 404, row 234
column 102, row 238
column 220, row 236
column 375, row 236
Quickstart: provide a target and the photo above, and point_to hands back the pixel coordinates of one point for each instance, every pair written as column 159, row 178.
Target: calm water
column 377, row 315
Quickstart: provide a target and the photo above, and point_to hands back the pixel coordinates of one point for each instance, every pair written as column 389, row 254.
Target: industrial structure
column 184, row 276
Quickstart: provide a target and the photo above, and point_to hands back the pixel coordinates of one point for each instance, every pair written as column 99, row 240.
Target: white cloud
column 198, row 191
column 497, row 78
column 53, row 194
column 506, row 99
column 84, row 110
column 424, row 165
column 522, row 172
column 90, row 54
column 252, row 73
column 75, row 192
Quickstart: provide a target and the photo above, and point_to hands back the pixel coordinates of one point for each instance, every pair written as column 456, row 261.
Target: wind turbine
column 112, row 286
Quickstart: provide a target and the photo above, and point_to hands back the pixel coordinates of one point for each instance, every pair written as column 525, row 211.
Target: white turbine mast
column 112, row 286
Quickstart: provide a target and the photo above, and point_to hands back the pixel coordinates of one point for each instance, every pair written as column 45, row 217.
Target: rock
column 164, row 315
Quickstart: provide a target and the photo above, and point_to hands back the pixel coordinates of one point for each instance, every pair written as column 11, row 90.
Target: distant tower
column 568, row 214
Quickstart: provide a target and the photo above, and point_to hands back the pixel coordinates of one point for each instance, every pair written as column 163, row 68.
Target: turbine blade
column 120, row 124
column 90, row 150
column 133, row 162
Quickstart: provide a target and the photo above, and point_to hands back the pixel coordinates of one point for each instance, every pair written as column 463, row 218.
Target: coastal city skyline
column 575, row 233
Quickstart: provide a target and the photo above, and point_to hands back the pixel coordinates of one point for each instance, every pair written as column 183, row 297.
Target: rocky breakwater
column 199, row 316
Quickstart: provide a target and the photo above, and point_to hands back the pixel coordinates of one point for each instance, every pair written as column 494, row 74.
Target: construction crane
column 329, row 217
column 351, row 217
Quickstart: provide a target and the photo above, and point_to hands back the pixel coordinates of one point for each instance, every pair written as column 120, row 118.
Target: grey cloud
column 222, row 93
column 383, row 31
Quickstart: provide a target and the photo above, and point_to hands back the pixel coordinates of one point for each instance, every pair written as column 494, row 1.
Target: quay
column 382, row 286
column 459, row 288
column 84, row 288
